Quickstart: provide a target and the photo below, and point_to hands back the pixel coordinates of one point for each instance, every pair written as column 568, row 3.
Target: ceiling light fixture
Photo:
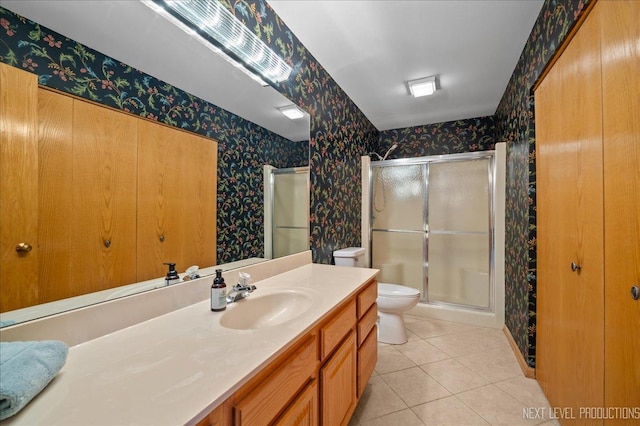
column 291, row 111
column 216, row 27
column 423, row 87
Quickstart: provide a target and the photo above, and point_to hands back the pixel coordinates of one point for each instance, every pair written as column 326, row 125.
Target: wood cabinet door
column 621, row 129
column 338, row 384
column 104, row 198
column 304, row 410
column 367, row 359
column 18, row 188
column 568, row 113
column 177, row 188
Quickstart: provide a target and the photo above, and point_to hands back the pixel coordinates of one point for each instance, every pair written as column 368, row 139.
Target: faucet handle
column 241, row 287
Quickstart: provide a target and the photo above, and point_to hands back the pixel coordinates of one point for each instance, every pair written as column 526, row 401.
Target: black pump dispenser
column 218, row 293
column 172, row 276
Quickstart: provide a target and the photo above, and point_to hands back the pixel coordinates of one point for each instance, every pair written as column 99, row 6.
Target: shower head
column 389, row 151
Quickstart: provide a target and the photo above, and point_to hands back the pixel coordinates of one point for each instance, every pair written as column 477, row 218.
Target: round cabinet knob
column 162, row 238
column 635, row 292
column 107, row 243
column 23, row 248
column 575, row 267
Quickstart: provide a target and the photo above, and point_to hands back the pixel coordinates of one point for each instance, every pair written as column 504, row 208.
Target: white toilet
column 393, row 299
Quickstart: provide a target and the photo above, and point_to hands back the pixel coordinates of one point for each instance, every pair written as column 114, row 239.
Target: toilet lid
column 395, row 290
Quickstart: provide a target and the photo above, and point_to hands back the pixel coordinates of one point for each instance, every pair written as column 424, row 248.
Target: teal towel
column 25, row 369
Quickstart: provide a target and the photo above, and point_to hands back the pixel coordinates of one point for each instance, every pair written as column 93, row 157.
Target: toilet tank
column 350, row 256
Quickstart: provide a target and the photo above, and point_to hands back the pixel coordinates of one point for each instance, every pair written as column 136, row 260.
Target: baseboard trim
column 529, row 372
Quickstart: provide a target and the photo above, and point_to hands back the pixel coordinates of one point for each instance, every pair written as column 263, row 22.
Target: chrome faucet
column 239, row 292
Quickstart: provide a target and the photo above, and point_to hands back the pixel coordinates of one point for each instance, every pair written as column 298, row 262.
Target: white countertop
column 175, row 368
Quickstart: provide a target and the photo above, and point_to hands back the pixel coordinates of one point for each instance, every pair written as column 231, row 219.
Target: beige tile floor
column 450, row 374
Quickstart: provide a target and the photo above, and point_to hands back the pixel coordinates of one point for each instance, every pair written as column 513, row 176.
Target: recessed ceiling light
column 291, row 111
column 423, row 87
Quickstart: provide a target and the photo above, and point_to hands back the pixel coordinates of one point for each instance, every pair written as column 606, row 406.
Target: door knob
column 23, row 248
column 575, row 267
column 162, row 238
column 107, row 243
column 635, row 292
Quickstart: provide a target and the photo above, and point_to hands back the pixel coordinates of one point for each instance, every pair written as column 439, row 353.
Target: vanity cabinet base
column 318, row 380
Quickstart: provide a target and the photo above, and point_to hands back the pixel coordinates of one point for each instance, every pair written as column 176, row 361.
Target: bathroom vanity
column 299, row 350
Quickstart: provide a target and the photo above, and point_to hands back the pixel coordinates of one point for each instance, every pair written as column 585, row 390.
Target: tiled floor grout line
column 494, row 344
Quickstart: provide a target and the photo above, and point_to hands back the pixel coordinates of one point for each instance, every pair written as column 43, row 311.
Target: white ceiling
column 370, row 48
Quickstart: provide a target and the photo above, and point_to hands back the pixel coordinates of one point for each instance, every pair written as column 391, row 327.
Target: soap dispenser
column 218, row 293
column 172, row 276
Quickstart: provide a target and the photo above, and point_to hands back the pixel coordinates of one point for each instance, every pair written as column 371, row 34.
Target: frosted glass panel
column 459, row 269
column 459, row 196
column 288, row 241
column 398, row 193
column 290, row 200
column 399, row 256
column 290, row 213
column 443, row 250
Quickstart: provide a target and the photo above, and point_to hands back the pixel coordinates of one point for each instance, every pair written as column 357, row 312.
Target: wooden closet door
column 621, row 122
column 104, row 198
column 176, row 200
column 570, row 319
column 18, row 188
column 55, row 140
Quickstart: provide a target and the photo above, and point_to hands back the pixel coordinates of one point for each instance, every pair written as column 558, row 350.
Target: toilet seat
column 397, row 291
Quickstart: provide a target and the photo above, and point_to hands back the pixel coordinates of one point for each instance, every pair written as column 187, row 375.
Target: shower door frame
column 270, row 218
column 425, row 162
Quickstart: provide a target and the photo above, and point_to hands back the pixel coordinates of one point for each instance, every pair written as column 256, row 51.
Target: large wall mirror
column 133, row 34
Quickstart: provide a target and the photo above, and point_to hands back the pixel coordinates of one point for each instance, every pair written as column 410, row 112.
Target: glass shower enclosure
column 286, row 211
column 432, row 222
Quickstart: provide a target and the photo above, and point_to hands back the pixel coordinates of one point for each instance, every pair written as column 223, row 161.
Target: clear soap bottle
column 218, row 293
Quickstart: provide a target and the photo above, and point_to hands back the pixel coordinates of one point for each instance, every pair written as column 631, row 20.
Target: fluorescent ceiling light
column 423, row 87
column 291, row 111
column 215, row 26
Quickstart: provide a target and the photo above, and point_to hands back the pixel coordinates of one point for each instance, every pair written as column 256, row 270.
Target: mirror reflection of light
column 213, row 21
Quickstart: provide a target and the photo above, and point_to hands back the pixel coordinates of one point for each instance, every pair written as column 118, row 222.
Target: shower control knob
column 635, row 292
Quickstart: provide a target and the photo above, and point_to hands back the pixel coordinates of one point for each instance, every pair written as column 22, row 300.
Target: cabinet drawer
column 334, row 331
column 367, row 358
column 304, row 410
column 366, row 323
column 266, row 401
column 366, row 298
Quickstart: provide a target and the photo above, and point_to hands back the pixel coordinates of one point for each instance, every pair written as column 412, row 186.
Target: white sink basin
column 267, row 310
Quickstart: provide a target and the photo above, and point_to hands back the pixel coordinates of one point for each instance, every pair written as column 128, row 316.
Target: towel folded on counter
column 25, row 369
column 6, row 323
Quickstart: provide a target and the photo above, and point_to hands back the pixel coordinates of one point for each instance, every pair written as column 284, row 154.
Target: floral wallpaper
column 340, row 133
column 474, row 134
column 515, row 124
column 243, row 147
